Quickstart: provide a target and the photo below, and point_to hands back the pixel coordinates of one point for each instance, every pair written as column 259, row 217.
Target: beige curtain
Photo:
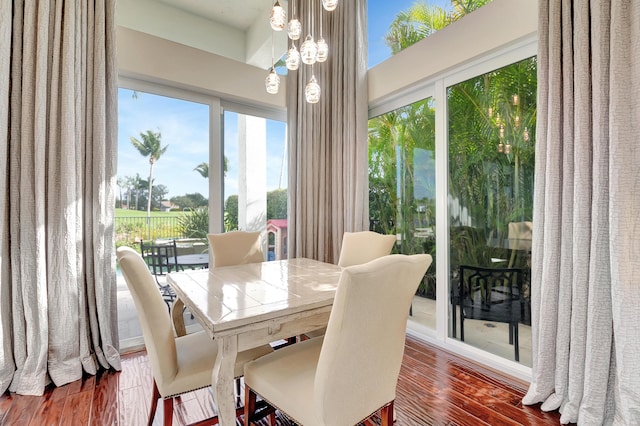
column 58, row 84
column 586, row 252
column 328, row 180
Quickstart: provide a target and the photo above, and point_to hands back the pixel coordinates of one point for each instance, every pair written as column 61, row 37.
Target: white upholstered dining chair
column 362, row 247
column 351, row 372
column 520, row 230
column 235, row 248
column 179, row 364
column 358, row 248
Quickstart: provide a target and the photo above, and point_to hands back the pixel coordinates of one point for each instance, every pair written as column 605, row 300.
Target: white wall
column 494, row 26
column 164, row 21
column 159, row 60
column 497, row 24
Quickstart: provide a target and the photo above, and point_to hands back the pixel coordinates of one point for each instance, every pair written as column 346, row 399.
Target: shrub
column 194, row 224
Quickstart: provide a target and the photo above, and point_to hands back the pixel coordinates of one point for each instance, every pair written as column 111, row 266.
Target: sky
column 184, row 125
column 380, row 14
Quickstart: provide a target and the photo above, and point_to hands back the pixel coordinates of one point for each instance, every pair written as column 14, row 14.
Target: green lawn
column 138, row 213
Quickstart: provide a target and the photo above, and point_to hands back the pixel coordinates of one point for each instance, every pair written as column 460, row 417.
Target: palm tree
column 203, row 169
column 135, row 183
column 477, row 109
column 150, row 146
column 122, row 181
column 422, row 19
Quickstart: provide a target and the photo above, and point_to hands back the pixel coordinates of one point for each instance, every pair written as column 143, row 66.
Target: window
column 402, row 189
column 491, row 164
column 394, row 26
column 255, row 182
column 180, row 122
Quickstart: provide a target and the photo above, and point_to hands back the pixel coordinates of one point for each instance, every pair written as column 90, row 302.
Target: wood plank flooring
column 435, row 388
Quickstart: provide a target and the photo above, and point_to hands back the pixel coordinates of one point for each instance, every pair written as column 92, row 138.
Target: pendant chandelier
column 509, row 125
column 310, row 52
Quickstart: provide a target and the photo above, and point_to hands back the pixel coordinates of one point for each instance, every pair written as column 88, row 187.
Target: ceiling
column 236, row 29
column 240, row 14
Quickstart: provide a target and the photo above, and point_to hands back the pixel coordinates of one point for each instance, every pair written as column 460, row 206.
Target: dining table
column 245, row 306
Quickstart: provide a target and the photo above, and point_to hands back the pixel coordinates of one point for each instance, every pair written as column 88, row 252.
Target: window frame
column 436, row 87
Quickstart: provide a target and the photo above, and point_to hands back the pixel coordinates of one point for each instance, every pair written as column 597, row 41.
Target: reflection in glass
column 402, row 189
column 491, row 168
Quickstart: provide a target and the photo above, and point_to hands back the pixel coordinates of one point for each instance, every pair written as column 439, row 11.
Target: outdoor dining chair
column 490, row 294
column 161, row 259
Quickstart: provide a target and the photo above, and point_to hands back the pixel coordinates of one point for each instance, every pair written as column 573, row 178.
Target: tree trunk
column 150, row 187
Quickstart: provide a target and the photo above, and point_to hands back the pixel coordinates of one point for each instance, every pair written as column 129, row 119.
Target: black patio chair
column 491, row 294
column 161, row 258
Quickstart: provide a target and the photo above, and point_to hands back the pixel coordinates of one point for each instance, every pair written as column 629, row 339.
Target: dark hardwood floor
column 435, row 388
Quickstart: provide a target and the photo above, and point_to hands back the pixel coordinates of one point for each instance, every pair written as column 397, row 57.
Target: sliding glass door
column 402, row 193
column 491, row 140
column 255, row 176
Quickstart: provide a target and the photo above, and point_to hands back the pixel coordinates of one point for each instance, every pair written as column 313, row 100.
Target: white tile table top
column 228, row 297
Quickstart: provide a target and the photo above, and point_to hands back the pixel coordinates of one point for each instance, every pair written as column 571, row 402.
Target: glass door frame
column 436, row 88
column 215, row 129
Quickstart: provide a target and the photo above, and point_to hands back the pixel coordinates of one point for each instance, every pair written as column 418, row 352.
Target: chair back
column 363, row 346
column 152, row 312
column 362, row 247
column 161, row 258
column 236, row 248
column 491, row 294
column 520, row 230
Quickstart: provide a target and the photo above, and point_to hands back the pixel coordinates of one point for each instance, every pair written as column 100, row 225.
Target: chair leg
column 238, row 391
column 386, row 415
column 516, row 343
column 272, row 419
column 176, row 310
column 249, row 404
column 155, row 394
column 168, row 411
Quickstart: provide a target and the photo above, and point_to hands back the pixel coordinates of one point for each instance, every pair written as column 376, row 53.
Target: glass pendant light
column 278, row 18
column 293, row 58
column 312, row 91
column 272, row 82
column 309, row 48
column 323, row 47
column 294, row 28
column 329, row 5
column 323, row 50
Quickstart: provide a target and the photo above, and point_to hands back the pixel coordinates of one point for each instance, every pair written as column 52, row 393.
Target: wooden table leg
column 222, row 379
column 177, row 309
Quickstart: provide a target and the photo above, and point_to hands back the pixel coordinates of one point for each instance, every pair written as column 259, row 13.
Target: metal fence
column 131, row 229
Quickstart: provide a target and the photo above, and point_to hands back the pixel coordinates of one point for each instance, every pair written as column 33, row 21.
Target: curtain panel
column 58, row 88
column 327, row 142
column 586, row 247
